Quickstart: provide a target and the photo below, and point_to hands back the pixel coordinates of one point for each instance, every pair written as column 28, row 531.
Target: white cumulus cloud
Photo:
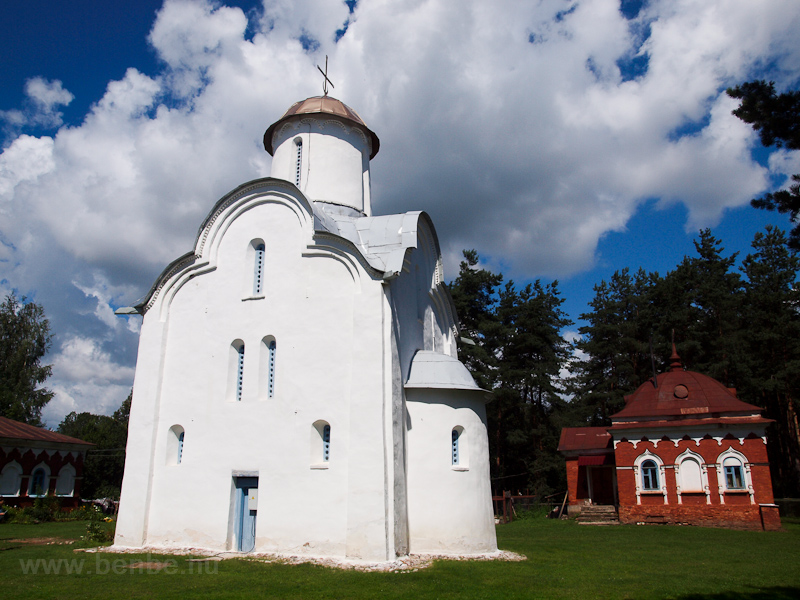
column 527, row 130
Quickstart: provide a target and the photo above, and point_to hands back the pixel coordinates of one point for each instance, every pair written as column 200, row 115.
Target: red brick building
column 684, row 449
column 35, row 462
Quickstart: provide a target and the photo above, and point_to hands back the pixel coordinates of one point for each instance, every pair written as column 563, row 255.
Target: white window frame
column 66, row 481
column 721, row 480
column 46, row 489
column 637, row 472
column 689, row 455
column 6, row 473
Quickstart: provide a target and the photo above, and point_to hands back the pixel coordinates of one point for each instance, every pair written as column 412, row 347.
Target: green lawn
column 565, row 560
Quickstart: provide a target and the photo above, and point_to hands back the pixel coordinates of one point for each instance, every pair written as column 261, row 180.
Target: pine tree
column 772, row 326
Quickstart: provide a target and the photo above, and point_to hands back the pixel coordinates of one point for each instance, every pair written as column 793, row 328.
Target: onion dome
column 322, row 105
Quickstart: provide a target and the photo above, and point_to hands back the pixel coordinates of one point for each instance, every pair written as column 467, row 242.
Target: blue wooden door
column 245, row 524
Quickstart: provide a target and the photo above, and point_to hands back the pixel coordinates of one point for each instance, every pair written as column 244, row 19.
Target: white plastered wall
column 335, row 160
column 449, row 507
column 316, row 301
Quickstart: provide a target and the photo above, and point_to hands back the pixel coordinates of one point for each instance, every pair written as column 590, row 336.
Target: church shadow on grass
column 772, row 593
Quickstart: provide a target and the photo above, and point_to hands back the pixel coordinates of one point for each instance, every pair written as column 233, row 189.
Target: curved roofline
column 327, row 105
column 190, row 257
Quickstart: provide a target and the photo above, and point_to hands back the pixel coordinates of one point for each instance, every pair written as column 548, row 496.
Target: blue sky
column 560, row 139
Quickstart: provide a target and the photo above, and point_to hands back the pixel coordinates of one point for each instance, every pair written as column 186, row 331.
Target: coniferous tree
column 777, row 119
column 772, row 326
column 518, row 354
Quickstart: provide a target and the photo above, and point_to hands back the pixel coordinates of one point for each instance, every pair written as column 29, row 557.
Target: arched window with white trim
column 65, row 482
column 648, row 469
column 11, row 479
column 39, row 481
column 650, row 476
column 691, row 475
column 733, row 474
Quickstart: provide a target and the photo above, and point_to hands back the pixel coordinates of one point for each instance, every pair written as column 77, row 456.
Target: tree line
column 740, row 326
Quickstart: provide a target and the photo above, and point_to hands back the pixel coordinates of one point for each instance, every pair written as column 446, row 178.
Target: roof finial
column 675, row 360
column 325, row 80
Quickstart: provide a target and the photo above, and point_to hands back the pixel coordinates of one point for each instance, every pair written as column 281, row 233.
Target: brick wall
column 737, row 510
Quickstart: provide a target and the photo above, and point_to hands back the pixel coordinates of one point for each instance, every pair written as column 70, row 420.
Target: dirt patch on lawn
column 43, row 541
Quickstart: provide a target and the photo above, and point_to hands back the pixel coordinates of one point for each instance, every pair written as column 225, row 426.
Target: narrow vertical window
column 271, row 380
column 180, row 446
column 454, row 438
column 240, row 372
column 298, row 161
column 175, row 445
column 326, row 443
column 258, row 270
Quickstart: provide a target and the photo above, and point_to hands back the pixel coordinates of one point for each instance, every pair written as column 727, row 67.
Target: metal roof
column 682, row 394
column 584, row 438
column 14, row 430
column 439, row 371
column 322, row 105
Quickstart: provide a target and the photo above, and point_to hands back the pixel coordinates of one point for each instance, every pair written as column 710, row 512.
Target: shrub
column 99, row 528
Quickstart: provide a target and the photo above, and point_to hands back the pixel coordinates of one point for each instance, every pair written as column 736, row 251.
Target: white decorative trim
column 748, row 479
column 662, row 480
column 688, row 454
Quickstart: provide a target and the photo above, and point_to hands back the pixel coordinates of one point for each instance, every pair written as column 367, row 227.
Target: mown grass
column 565, row 560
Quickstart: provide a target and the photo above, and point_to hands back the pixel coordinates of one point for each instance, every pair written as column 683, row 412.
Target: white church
column 298, row 389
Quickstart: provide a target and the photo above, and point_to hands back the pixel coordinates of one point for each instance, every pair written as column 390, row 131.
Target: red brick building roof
column 682, row 395
column 14, row 430
column 583, row 439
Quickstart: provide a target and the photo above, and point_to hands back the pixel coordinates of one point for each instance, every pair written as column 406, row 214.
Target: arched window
column 39, row 482
column 320, row 445
column 239, row 371
column 236, row 371
column 258, row 270
column 691, row 477
column 734, row 473
column 180, row 446
column 650, row 476
column 458, row 449
column 298, row 162
column 266, row 365
column 326, row 443
column 10, row 479
column 271, row 369
column 175, row 445
column 65, row 484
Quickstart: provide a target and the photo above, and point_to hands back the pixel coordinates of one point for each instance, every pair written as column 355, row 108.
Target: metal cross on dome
column 325, row 81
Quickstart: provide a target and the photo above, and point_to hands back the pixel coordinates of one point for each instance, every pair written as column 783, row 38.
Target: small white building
column 297, row 388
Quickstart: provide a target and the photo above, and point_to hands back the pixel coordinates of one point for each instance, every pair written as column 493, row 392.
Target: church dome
column 683, row 394
column 322, row 105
